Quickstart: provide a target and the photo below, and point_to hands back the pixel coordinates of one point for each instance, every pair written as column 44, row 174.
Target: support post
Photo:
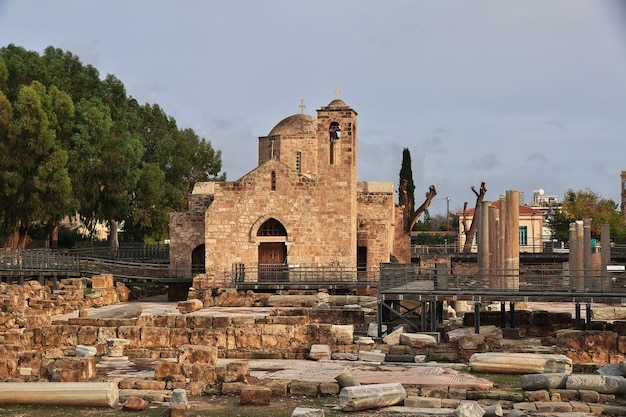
column 477, row 317
column 578, row 317
column 502, row 315
column 588, row 316
column 512, row 308
column 433, row 316
column 379, row 317
column 423, row 316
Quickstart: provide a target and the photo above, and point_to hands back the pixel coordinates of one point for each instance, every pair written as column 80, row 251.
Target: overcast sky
column 523, row 95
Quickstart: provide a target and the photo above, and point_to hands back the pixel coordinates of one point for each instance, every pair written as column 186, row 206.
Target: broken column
column 520, row 363
column 92, row 394
column 365, row 397
column 115, row 353
column 511, row 241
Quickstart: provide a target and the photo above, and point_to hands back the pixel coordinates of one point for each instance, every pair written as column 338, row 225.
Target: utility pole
column 448, row 213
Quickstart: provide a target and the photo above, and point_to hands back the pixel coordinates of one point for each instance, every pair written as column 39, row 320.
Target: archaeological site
column 299, row 281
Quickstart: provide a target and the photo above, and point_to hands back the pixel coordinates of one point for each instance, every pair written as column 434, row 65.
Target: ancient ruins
column 259, row 346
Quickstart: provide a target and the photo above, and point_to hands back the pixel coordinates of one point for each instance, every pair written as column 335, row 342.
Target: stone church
column 300, row 209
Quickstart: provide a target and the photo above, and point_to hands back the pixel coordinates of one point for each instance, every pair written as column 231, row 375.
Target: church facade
column 301, row 208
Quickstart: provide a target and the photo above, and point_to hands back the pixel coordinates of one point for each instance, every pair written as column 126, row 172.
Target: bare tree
column 408, row 218
column 469, row 233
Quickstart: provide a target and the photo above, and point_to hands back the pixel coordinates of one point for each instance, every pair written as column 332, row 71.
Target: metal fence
column 537, row 280
column 286, row 274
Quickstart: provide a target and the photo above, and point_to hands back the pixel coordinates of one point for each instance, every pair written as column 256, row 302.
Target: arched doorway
column 272, row 256
column 198, row 260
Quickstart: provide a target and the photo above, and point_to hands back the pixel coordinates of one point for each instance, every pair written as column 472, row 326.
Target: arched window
column 334, row 133
column 273, row 181
column 272, row 227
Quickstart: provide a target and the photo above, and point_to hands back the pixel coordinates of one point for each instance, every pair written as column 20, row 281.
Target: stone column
column 483, row 241
column 587, row 267
column 576, row 261
column 501, row 241
column 511, row 247
column 605, row 256
column 494, row 272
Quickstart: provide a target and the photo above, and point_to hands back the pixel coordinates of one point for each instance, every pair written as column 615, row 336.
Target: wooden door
column 272, row 261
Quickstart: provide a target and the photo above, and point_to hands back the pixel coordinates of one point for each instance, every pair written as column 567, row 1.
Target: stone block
column 307, row 412
column 553, row 407
column 134, row 403
column 371, row 356
column 102, row 281
column 319, row 352
column 417, row 340
column 329, row 388
column 179, row 337
column 565, row 395
column 155, row 337
column 588, row 396
column 237, row 372
column 132, row 333
column 279, row 387
column 306, row 388
column 165, row 370
column 422, row 402
column 342, row 334
column 393, row 338
column 232, row 388
column 198, row 372
column 537, row 396
column 469, row 409
column 197, row 354
column 255, row 395
column 434, row 391
column 189, row 306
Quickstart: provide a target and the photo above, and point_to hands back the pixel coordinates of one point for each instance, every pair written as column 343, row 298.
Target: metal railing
column 398, row 278
column 292, row 275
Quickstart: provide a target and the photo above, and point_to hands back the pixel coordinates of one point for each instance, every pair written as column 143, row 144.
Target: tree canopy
column 71, row 142
column 581, row 204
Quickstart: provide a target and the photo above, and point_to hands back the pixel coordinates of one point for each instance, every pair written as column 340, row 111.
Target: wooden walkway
column 43, row 264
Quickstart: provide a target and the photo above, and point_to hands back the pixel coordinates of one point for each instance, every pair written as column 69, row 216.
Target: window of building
column 272, row 227
column 334, row 133
column 299, row 161
column 523, row 235
column 273, row 181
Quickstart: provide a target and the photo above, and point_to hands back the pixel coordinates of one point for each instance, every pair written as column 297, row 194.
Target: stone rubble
column 182, row 348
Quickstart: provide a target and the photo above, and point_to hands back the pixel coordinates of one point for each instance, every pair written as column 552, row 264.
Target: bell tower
column 336, row 162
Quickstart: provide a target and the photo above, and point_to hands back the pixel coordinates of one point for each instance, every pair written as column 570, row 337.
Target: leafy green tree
column 4, row 76
column 406, row 173
column 37, row 183
column 92, row 128
column 586, row 203
column 183, row 159
column 71, row 141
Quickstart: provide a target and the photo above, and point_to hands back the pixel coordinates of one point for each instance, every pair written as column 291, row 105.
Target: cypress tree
column 406, row 173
